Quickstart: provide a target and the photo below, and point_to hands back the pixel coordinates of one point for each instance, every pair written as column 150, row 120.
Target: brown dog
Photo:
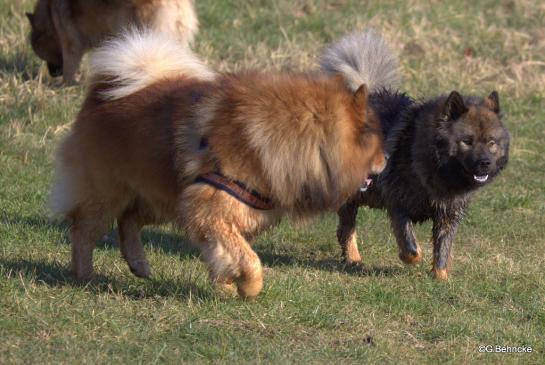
column 161, row 138
column 63, row 30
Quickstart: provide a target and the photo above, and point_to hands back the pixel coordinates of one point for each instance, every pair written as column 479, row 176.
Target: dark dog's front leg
column 445, row 225
column 409, row 250
column 346, row 232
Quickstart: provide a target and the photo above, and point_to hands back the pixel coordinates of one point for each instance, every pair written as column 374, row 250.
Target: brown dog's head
column 372, row 137
column 44, row 38
column 472, row 143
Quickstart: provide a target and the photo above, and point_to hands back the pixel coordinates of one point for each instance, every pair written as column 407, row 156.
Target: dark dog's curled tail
column 362, row 58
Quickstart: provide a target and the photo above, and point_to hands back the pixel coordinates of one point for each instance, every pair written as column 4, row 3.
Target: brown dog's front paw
column 250, row 281
column 440, row 274
column 410, row 258
column 248, row 289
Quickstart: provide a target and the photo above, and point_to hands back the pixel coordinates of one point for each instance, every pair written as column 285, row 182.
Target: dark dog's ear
column 360, row 97
column 493, row 102
column 30, row 17
column 454, row 107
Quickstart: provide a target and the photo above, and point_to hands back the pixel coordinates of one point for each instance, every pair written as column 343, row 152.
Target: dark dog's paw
column 351, row 254
column 356, row 268
column 440, row 274
column 411, row 258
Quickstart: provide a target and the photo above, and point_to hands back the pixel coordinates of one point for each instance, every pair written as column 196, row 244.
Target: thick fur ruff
column 136, row 149
column 63, row 30
column 441, row 151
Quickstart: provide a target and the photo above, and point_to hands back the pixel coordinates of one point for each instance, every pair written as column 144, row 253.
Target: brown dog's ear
column 493, row 102
column 454, row 107
column 30, row 17
column 360, row 97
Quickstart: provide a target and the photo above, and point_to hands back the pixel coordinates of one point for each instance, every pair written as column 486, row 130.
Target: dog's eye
column 441, row 144
column 492, row 146
column 467, row 141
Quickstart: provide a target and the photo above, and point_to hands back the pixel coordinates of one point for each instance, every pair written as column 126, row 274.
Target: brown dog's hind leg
column 130, row 226
column 87, row 226
column 346, row 233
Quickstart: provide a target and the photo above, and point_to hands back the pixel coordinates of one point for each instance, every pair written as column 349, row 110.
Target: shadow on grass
column 176, row 244
column 34, row 222
column 170, row 243
column 271, row 259
column 55, row 275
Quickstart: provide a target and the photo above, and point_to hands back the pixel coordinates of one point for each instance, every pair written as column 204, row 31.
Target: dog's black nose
column 482, row 166
column 54, row 69
column 484, row 163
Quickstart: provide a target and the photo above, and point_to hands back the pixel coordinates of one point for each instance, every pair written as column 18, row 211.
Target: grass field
column 312, row 310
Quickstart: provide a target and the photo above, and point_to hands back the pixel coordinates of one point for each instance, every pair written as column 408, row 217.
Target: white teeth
column 481, row 179
column 366, row 185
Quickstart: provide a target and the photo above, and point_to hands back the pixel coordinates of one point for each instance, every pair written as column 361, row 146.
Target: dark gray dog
column 441, row 151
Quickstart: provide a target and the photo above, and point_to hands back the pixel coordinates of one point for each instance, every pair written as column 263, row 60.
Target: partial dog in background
column 63, row 30
column 162, row 138
column 441, row 151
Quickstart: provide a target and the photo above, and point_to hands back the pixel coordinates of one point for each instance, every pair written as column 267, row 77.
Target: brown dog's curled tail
column 138, row 58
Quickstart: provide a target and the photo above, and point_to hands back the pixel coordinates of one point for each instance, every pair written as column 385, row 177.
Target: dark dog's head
column 44, row 39
column 471, row 143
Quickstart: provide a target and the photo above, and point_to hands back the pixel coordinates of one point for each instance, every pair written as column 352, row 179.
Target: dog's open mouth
column 480, row 178
column 366, row 184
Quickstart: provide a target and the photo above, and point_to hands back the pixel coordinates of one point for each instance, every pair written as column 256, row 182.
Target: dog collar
column 236, row 189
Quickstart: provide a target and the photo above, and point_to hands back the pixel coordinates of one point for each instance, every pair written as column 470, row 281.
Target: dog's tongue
column 366, row 184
